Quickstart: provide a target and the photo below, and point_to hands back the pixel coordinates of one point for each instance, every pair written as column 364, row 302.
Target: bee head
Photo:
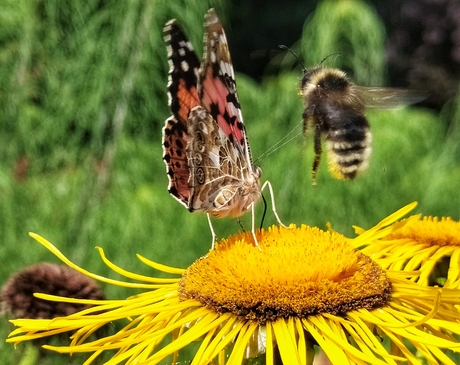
column 309, row 75
column 328, row 79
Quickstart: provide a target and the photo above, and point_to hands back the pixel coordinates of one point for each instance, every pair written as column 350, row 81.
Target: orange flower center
column 296, row 272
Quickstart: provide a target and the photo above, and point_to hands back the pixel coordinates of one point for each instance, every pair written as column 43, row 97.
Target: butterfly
column 206, row 150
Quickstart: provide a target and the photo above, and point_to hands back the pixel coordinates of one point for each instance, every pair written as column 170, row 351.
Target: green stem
column 30, row 355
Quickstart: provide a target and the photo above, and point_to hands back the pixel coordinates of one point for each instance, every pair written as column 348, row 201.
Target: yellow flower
column 303, row 288
column 428, row 244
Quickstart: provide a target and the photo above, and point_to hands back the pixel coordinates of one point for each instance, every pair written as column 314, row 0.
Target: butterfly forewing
column 183, row 96
column 183, row 72
column 218, row 86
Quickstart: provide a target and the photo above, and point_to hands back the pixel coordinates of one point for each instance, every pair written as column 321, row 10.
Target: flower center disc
column 296, row 272
column 430, row 231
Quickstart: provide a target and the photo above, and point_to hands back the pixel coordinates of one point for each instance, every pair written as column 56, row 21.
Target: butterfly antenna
column 270, row 189
column 241, row 224
column 282, row 46
column 283, row 141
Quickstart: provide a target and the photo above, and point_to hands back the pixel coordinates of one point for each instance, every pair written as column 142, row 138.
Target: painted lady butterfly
column 206, row 151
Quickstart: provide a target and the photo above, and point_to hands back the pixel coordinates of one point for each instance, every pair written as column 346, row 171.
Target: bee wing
column 387, row 98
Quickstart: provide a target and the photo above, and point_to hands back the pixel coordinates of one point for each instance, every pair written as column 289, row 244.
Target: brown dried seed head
column 17, row 293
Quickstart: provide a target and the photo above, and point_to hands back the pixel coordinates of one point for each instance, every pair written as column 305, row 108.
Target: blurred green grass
column 91, row 181
column 351, row 29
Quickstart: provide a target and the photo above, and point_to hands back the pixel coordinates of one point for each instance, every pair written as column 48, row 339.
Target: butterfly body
column 206, row 151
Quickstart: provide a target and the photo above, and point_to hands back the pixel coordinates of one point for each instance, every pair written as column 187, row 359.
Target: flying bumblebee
column 334, row 107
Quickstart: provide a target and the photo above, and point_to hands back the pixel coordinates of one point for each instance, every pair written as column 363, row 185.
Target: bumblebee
column 335, row 107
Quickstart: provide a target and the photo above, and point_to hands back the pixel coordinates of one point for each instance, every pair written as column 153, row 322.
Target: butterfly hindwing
column 175, row 141
column 183, row 96
column 216, row 167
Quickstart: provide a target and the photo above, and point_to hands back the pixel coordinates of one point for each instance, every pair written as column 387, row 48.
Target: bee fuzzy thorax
column 326, row 79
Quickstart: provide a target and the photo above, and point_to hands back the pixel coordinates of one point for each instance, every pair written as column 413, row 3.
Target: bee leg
column 305, row 123
column 317, row 146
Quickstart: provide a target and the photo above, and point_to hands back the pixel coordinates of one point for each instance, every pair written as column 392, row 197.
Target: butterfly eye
column 257, row 171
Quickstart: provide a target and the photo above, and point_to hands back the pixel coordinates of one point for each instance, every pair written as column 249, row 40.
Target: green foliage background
column 83, row 100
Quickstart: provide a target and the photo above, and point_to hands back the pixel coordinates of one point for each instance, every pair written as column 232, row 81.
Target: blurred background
column 83, row 102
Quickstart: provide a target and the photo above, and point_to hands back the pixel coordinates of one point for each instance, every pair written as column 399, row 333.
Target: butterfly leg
column 212, row 231
column 272, row 196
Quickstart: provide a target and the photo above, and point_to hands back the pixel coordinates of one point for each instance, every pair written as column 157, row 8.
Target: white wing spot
column 226, row 69
column 213, row 57
column 185, row 66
